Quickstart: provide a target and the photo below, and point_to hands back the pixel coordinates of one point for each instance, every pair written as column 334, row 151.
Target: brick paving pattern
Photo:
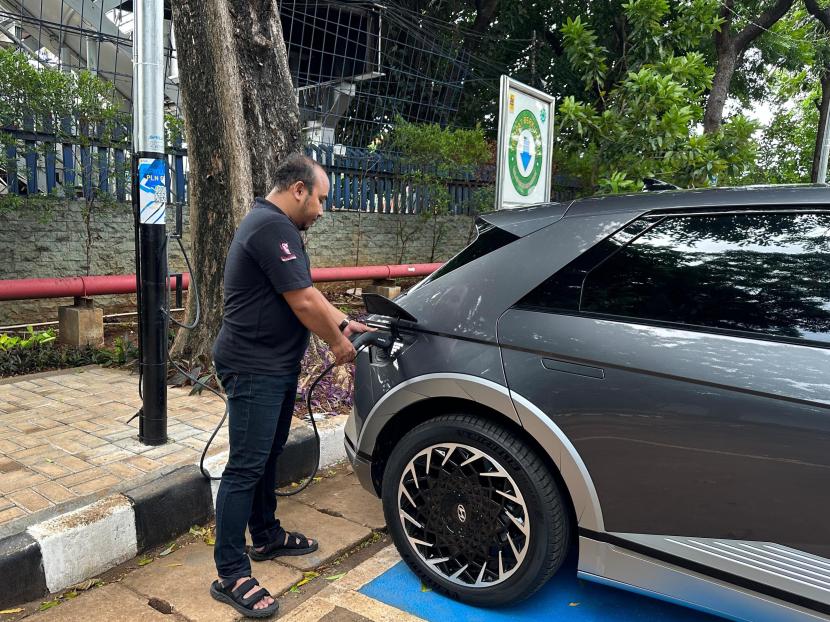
column 64, row 435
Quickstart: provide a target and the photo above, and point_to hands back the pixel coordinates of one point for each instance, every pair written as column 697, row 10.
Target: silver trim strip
column 416, row 389
column 567, row 459
column 766, row 563
column 608, row 564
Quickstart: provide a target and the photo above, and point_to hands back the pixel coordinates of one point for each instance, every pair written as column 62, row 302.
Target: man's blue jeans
column 259, row 419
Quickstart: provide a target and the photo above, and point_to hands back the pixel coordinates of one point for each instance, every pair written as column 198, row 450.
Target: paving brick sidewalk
column 336, row 510
column 64, row 436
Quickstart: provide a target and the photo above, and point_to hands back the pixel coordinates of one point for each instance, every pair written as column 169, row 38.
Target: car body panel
column 688, row 432
column 669, row 439
column 468, row 301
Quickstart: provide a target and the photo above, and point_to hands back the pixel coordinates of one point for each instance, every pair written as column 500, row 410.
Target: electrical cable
column 204, row 385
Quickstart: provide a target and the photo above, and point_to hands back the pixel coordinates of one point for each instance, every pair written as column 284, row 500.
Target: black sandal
column 236, row 598
column 291, row 547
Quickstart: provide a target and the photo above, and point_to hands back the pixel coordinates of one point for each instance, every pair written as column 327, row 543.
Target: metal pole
column 149, row 199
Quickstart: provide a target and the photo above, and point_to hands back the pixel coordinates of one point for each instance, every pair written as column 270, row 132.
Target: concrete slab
column 343, row 496
column 312, row 610
column 183, row 579
column 111, row 602
column 338, row 614
column 335, row 535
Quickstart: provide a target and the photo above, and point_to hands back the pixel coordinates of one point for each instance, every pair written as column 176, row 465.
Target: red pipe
column 26, row 289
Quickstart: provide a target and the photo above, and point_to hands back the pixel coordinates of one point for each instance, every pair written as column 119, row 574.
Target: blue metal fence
column 79, row 163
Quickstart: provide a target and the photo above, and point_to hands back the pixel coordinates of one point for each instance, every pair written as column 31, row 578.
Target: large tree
column 241, row 119
column 643, row 101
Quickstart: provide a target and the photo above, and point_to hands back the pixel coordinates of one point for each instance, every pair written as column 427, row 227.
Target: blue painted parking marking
column 564, row 599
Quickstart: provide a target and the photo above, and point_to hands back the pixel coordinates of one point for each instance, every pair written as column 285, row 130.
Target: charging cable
column 361, row 341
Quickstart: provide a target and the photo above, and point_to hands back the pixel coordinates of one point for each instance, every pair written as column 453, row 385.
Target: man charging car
column 270, row 307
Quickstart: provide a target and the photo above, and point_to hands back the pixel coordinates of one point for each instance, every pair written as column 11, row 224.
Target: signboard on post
column 523, row 160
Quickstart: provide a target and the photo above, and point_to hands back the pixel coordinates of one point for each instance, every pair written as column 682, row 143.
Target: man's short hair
column 295, row 167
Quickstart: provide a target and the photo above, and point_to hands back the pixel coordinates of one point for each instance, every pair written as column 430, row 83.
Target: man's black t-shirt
column 260, row 333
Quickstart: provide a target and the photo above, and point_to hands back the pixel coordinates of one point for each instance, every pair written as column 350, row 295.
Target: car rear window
column 760, row 273
column 489, row 239
column 763, row 273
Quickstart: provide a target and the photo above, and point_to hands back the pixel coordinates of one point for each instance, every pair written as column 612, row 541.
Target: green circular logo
column 524, row 154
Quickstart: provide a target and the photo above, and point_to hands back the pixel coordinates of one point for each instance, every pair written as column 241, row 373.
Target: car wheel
column 474, row 511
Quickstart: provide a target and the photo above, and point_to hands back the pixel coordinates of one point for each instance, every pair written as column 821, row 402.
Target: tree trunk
column 727, row 61
column 824, row 108
column 730, row 47
column 241, row 119
column 823, row 16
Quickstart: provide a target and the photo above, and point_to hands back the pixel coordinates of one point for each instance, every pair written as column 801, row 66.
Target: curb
column 54, row 554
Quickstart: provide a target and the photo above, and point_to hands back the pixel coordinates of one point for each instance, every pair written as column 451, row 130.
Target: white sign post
column 523, row 160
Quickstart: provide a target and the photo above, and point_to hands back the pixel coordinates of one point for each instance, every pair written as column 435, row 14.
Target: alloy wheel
column 463, row 515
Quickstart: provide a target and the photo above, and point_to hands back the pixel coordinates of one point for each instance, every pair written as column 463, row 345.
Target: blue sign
column 152, row 190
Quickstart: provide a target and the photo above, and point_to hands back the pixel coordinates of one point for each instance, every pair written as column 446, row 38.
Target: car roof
column 743, row 196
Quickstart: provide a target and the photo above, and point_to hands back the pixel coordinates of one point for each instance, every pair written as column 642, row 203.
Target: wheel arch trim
column 509, row 404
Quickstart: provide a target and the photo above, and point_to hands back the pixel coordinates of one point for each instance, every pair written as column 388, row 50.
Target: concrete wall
column 67, row 243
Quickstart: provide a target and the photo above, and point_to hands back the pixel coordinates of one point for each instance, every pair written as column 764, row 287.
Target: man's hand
column 343, row 351
column 355, row 328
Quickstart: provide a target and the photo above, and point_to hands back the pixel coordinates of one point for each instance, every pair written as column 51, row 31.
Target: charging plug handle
column 379, row 338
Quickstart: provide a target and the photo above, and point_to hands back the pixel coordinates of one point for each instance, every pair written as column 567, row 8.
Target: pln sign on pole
column 523, row 169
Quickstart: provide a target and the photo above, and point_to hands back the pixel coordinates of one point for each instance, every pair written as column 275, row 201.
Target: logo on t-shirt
column 287, row 255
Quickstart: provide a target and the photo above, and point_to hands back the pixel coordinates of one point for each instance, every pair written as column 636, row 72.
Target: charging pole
column 149, row 199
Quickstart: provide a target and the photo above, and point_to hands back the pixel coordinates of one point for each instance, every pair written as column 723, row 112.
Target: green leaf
column 307, row 577
column 424, row 588
column 145, row 560
column 4, row 612
column 48, row 605
column 336, row 577
column 168, row 550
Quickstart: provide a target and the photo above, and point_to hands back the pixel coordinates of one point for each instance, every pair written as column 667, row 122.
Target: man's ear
column 299, row 190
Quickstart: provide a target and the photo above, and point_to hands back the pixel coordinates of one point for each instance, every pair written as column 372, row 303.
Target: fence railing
column 78, row 165
column 82, row 165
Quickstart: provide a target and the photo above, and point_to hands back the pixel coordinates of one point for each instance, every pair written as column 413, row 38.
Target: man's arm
column 315, row 312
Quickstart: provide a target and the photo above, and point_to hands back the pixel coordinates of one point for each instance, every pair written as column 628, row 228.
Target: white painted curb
column 90, row 540
column 86, row 542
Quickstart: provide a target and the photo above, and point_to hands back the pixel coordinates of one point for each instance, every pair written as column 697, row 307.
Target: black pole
column 152, row 426
column 150, row 182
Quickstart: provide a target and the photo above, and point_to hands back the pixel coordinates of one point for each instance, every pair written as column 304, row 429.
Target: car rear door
column 687, row 358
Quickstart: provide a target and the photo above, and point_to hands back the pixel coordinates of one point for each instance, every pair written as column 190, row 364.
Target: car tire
column 474, row 511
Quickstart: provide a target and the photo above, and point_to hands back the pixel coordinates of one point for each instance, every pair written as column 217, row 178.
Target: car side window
column 766, row 273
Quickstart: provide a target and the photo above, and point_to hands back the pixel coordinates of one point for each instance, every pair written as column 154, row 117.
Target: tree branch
column 763, row 22
column 722, row 35
column 822, row 15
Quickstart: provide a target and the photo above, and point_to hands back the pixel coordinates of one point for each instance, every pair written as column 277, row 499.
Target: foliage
column 45, row 99
column 640, row 112
column 39, row 351
column 430, row 155
column 79, row 106
column 29, row 340
column 785, row 153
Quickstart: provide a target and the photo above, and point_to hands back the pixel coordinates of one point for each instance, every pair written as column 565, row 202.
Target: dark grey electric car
column 646, row 377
